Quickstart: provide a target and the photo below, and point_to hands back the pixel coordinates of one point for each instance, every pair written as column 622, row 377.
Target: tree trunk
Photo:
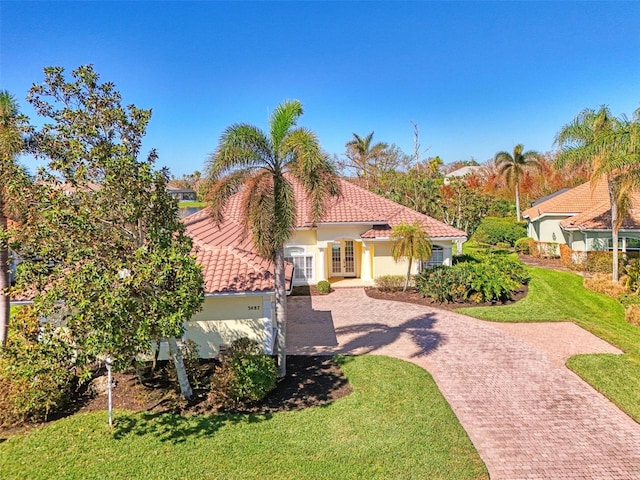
column 406, row 280
column 614, row 231
column 518, row 201
column 5, row 282
column 181, row 372
column 281, row 312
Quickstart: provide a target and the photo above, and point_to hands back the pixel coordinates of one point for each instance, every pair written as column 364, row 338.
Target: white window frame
column 437, row 258
column 305, row 273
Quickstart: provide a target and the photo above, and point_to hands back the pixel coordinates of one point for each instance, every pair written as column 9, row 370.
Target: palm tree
column 254, row 163
column 365, row 157
column 11, row 144
column 512, row 167
column 609, row 146
column 410, row 241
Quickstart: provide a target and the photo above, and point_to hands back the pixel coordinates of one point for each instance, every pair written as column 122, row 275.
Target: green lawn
column 191, row 204
column 560, row 296
column 396, row 425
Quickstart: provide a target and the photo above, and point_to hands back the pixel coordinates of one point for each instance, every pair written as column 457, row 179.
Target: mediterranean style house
column 580, row 218
column 350, row 245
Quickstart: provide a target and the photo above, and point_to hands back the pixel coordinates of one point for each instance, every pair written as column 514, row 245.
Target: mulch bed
column 310, row 381
column 412, row 296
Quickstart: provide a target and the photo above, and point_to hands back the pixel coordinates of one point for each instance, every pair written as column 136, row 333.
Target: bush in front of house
column 486, row 278
column 495, row 230
column 37, row 371
column 390, row 283
column 323, row 287
column 244, row 375
column 525, row 245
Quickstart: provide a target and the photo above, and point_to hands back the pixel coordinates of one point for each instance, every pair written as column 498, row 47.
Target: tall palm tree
column 253, row 163
column 410, row 241
column 512, row 167
column 11, row 144
column 609, row 146
column 365, row 156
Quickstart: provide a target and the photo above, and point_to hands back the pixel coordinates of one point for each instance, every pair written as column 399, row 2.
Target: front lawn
column 560, row 296
column 395, row 425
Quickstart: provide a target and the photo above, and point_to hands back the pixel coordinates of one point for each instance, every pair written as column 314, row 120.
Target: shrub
column 632, row 315
column 627, row 299
column 390, row 283
column 323, row 287
column 37, row 370
column 525, row 245
column 494, row 230
column 244, row 375
column 602, row 283
column 632, row 272
column 489, row 277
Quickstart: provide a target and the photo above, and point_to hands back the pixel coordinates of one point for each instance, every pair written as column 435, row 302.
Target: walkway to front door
column 526, row 413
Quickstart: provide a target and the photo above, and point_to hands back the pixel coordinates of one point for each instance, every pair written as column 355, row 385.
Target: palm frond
column 283, row 119
column 220, row 190
column 240, row 146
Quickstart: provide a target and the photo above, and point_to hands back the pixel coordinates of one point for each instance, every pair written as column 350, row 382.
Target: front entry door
column 343, row 260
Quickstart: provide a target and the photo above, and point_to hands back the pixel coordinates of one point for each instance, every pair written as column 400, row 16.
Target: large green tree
column 13, row 180
column 255, row 163
column 610, row 147
column 104, row 249
column 410, row 241
column 514, row 166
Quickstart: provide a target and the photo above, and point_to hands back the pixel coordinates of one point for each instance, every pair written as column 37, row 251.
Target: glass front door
column 343, row 260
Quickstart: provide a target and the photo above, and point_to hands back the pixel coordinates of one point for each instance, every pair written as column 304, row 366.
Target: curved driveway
column 526, row 413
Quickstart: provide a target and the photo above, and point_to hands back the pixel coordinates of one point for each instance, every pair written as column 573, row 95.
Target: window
column 302, row 263
column 437, row 257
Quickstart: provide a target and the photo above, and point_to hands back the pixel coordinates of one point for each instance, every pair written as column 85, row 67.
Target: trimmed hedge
column 496, row 230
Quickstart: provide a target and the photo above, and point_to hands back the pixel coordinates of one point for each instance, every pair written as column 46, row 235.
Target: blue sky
column 476, row 77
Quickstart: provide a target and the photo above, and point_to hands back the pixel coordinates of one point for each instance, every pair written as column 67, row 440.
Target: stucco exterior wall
column 547, row 229
column 224, row 319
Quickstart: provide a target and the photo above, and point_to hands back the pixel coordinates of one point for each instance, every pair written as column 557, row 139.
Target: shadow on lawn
column 176, row 428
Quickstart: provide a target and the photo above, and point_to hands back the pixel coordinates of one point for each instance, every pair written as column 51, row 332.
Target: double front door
column 343, row 261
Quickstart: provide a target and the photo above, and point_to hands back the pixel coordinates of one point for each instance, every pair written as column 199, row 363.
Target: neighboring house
column 350, row 242
column 463, row 172
column 581, row 219
column 181, row 194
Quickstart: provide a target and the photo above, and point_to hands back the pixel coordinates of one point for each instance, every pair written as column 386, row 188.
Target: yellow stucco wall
column 224, row 319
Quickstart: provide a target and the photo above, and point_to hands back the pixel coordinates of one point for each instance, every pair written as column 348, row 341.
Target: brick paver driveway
column 527, row 414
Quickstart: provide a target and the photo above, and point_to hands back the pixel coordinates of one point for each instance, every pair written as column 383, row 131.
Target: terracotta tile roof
column 599, row 218
column 358, row 205
column 577, row 200
column 586, row 207
column 229, row 260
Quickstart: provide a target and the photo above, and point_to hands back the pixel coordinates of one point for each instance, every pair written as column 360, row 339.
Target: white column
column 322, row 274
column 365, row 272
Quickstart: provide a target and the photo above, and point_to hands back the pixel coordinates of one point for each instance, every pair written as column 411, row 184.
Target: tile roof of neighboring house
column 587, row 208
column 577, row 200
column 599, row 218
